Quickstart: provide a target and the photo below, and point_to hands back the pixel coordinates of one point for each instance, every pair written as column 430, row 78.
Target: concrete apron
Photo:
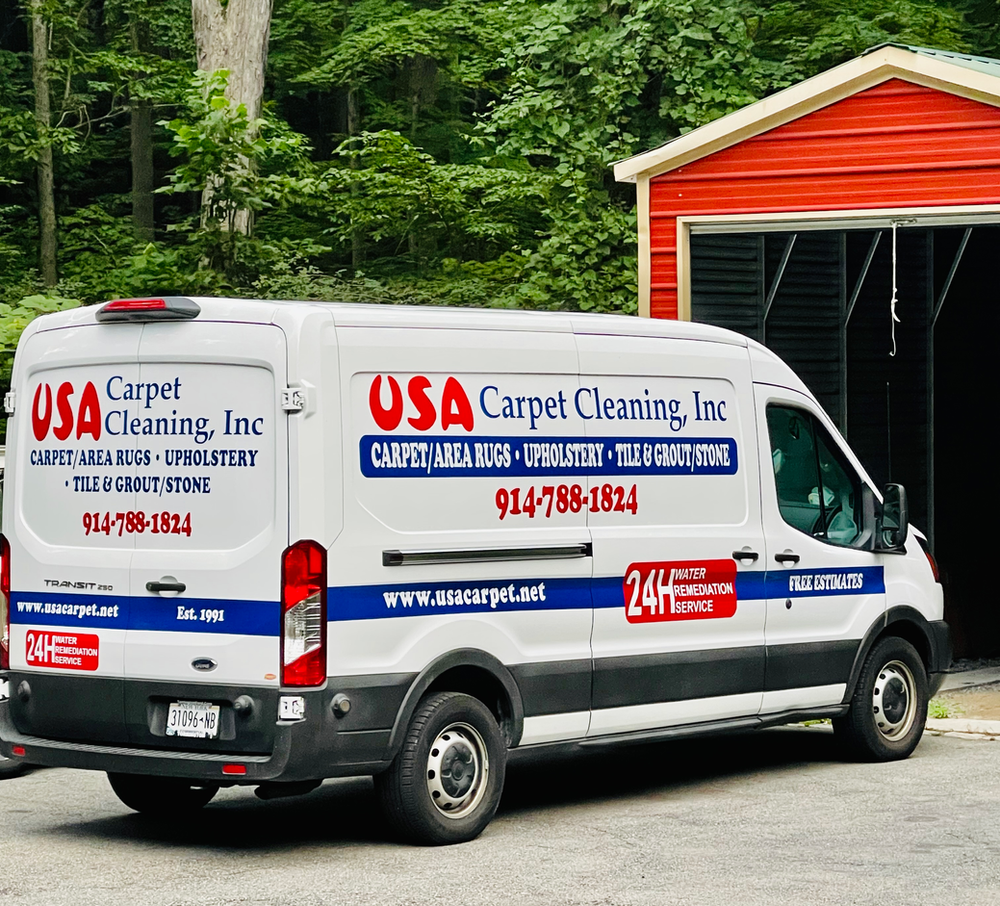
column 962, row 727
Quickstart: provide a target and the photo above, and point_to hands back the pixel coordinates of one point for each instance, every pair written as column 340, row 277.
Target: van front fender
column 932, row 639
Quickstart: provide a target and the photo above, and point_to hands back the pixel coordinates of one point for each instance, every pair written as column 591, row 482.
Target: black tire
column 889, row 705
column 161, row 797
column 444, row 786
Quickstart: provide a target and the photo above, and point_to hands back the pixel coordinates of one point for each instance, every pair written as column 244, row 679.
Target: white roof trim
column 821, row 90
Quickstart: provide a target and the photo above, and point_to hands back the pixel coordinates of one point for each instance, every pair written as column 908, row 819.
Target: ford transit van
column 268, row 543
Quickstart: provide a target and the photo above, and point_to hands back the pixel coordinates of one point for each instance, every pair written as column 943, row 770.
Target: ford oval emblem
column 204, row 664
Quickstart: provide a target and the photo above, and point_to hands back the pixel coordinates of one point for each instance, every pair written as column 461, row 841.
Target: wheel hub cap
column 457, row 770
column 894, row 700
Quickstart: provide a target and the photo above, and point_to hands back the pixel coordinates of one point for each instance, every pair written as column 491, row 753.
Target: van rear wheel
column 162, row 797
column 889, row 705
column 444, row 786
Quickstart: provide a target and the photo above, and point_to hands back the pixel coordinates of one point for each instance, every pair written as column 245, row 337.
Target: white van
column 268, row 543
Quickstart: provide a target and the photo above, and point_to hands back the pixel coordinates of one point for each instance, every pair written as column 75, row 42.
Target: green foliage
column 388, row 191
column 238, row 164
column 809, row 36
column 220, row 146
column 587, row 262
column 592, row 82
column 14, row 317
column 421, row 151
column 942, row 709
column 596, row 81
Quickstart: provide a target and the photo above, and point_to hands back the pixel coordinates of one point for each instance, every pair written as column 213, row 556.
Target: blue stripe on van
column 90, row 611
column 782, row 583
column 370, row 602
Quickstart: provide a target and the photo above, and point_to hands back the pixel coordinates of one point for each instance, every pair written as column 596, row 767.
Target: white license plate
column 199, row 720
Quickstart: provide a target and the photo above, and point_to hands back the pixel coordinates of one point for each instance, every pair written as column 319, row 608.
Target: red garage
column 811, row 218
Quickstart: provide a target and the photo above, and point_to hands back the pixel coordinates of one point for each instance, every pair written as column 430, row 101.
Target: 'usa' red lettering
column 88, row 415
column 455, row 408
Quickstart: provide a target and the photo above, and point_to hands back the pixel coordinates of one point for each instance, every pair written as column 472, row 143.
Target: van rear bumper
column 320, row 745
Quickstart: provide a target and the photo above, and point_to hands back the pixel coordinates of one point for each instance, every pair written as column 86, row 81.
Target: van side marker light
column 235, row 769
column 167, row 308
column 17, row 750
column 487, row 555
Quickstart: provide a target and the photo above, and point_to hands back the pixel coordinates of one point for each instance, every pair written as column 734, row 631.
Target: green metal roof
column 980, row 64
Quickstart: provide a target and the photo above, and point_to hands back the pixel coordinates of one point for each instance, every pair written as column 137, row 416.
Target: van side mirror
column 894, row 524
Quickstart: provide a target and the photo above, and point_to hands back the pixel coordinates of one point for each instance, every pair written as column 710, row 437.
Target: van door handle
column 746, row 555
column 787, row 557
column 173, row 585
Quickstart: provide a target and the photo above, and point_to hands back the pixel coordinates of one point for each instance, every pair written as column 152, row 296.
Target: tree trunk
column 353, row 128
column 141, row 121
column 46, row 180
column 422, row 74
column 234, row 37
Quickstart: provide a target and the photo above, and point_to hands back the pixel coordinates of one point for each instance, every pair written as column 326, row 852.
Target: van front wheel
column 162, row 797
column 444, row 785
column 889, row 705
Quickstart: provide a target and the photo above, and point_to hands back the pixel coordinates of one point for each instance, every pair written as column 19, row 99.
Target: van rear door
column 210, row 516
column 70, row 474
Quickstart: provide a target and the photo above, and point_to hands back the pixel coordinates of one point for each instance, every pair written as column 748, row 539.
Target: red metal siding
column 895, row 145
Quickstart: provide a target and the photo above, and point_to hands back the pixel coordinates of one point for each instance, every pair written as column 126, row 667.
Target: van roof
column 417, row 317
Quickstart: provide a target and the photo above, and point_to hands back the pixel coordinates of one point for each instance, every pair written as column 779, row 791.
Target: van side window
column 818, row 492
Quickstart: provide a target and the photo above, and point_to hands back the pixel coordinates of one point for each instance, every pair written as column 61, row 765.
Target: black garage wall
column 820, row 299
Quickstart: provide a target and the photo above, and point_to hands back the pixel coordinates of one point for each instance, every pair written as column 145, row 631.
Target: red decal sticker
column 680, row 590
column 65, row 650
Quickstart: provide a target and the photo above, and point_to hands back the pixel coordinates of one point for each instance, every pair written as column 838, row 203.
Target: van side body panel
column 426, row 450
column 573, row 518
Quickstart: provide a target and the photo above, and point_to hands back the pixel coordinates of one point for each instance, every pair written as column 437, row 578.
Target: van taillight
column 4, row 603
column 303, row 615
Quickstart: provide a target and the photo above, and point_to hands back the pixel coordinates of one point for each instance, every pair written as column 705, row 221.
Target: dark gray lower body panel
column 114, row 725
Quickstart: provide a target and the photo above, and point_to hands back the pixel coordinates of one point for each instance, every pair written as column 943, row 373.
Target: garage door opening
column 913, row 396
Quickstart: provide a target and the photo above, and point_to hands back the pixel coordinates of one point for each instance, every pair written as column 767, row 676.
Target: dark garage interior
column 820, row 298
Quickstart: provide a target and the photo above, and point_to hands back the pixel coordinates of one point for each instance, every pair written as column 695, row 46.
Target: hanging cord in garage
column 894, row 318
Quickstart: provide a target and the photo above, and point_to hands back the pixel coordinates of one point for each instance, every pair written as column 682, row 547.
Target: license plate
column 199, row 720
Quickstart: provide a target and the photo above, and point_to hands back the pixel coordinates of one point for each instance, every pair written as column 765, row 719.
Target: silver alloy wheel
column 458, row 767
column 894, row 700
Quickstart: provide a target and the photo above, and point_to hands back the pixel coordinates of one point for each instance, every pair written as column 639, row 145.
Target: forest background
column 446, row 152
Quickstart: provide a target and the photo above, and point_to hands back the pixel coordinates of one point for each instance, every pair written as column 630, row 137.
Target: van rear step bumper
column 301, row 752
column 321, row 745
